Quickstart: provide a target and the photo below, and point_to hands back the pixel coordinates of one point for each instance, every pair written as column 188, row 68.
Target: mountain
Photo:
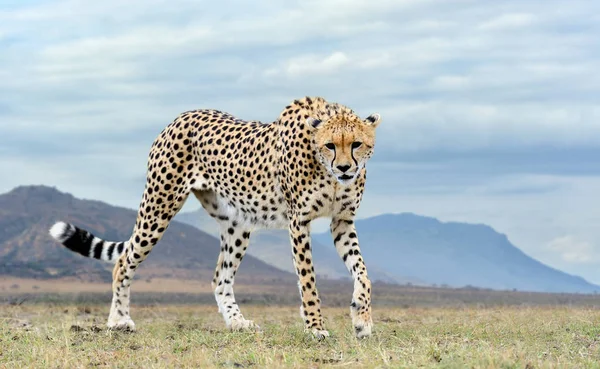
column 273, row 247
column 27, row 250
column 407, row 248
column 455, row 254
column 397, row 248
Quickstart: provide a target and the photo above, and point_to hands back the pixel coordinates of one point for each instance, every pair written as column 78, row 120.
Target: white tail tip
column 60, row 231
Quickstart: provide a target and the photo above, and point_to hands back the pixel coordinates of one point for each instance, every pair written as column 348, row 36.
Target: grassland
column 43, row 326
column 168, row 336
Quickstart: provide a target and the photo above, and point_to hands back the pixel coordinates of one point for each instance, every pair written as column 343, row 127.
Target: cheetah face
column 344, row 144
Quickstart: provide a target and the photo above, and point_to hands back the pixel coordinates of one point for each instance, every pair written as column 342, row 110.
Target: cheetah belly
column 270, row 214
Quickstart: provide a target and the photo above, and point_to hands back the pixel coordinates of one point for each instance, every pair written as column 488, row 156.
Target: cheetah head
column 344, row 143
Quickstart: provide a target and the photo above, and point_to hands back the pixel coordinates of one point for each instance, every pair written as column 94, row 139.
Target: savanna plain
column 41, row 326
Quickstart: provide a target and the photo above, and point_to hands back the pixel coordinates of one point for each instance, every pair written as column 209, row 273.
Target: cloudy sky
column 491, row 108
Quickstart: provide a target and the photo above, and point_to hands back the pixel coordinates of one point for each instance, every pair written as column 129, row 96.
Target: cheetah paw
column 362, row 322
column 243, row 325
column 363, row 329
column 320, row 334
column 123, row 324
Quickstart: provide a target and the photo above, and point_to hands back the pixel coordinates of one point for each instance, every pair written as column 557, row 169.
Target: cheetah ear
column 314, row 123
column 373, row 120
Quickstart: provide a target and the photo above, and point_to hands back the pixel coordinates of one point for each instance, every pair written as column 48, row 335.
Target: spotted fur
column 309, row 163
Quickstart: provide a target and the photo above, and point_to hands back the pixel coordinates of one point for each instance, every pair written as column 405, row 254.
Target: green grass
column 44, row 336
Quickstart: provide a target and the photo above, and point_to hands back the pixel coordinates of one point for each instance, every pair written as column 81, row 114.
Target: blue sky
column 491, row 110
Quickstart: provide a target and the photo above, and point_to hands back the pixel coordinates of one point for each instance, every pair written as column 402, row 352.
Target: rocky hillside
column 27, row 250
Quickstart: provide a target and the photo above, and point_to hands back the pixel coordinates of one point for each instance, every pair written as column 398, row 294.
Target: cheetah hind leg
column 119, row 318
column 147, row 233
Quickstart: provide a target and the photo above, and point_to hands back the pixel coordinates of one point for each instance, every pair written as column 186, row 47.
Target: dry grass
column 68, row 285
column 333, row 293
column 43, row 336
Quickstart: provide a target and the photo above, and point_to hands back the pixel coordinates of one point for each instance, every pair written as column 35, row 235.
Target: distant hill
column 456, row 254
column 274, row 248
column 398, row 248
column 27, row 250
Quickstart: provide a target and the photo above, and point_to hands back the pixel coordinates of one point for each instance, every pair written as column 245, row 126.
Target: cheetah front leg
column 234, row 242
column 310, row 310
column 346, row 244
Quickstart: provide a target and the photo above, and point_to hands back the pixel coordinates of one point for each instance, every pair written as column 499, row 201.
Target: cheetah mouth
column 345, row 177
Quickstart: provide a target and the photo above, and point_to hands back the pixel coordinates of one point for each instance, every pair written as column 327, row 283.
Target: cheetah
column 307, row 164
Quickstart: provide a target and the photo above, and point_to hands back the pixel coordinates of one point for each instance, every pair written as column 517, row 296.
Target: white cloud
column 507, row 22
column 575, row 251
column 461, row 127
column 450, row 82
column 142, row 41
column 439, row 83
column 308, row 66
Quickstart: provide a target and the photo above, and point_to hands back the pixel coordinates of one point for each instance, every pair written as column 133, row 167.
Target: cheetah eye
column 330, row 146
column 356, row 145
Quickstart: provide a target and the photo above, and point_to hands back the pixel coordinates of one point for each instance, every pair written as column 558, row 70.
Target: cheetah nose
column 343, row 168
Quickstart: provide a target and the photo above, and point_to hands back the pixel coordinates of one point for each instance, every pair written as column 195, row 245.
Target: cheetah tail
column 85, row 243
